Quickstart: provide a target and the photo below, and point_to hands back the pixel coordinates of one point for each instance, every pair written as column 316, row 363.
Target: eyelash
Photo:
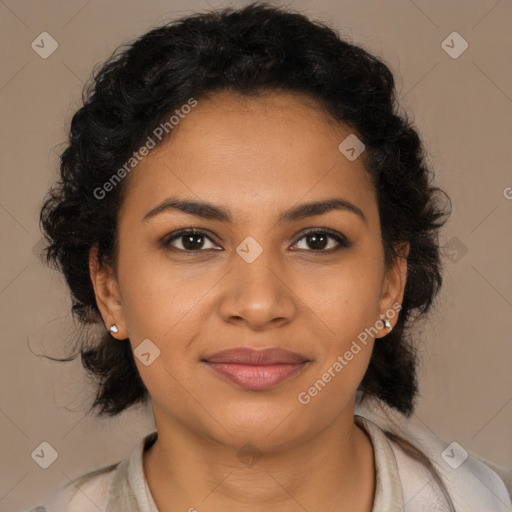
column 342, row 240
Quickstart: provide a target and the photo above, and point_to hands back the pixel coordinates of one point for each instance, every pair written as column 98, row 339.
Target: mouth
column 256, row 369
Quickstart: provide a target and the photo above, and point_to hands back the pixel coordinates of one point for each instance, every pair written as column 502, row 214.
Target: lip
column 245, row 355
column 256, row 369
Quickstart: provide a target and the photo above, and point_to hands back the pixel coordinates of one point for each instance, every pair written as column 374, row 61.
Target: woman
column 245, row 211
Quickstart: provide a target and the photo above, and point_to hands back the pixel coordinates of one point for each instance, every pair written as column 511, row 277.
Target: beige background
column 462, row 108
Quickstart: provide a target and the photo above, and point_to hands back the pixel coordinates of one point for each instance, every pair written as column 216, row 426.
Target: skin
column 256, row 157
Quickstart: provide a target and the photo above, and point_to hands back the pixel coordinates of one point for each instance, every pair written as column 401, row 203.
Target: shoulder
column 426, row 463
column 87, row 492
column 471, row 484
column 109, row 488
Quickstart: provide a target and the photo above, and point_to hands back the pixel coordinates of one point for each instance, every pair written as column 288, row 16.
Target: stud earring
column 114, row 329
column 387, row 323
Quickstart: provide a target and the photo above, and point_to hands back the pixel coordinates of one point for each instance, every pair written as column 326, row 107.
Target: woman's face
column 252, row 278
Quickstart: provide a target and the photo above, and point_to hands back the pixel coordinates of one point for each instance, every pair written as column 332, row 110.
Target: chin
column 267, row 428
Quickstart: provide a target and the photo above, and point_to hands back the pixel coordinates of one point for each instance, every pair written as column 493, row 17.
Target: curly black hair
column 252, row 50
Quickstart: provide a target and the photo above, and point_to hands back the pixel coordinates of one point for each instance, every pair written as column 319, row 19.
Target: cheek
column 159, row 306
column 155, row 296
column 348, row 306
column 144, row 302
column 349, row 298
column 341, row 365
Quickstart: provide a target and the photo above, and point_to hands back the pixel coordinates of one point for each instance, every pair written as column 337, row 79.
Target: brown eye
column 318, row 241
column 189, row 241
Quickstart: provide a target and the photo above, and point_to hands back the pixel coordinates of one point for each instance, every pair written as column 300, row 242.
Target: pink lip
column 256, row 369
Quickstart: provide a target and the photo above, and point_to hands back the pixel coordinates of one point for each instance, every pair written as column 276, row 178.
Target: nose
column 258, row 294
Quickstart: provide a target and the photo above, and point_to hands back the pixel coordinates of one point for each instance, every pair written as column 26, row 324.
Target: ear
column 393, row 288
column 107, row 294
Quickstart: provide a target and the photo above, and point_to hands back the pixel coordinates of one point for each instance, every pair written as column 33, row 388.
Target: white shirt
column 402, row 483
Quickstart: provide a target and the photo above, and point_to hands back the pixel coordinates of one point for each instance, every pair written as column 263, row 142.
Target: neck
column 186, row 471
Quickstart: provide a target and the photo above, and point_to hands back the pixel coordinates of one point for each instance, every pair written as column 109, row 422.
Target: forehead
column 268, row 150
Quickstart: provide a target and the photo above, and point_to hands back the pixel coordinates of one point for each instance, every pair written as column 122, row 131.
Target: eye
column 196, row 240
column 188, row 240
column 318, row 240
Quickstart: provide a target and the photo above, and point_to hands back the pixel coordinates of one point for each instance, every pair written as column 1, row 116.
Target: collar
column 130, row 490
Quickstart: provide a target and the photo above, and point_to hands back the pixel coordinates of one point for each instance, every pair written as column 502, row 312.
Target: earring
column 114, row 329
column 387, row 323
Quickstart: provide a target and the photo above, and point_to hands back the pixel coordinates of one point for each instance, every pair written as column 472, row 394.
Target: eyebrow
column 213, row 212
